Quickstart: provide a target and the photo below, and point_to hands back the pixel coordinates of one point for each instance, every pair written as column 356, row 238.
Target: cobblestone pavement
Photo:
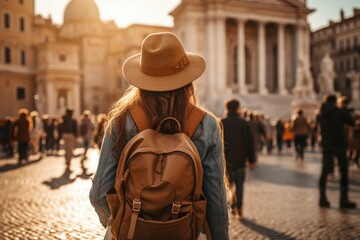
column 40, row 200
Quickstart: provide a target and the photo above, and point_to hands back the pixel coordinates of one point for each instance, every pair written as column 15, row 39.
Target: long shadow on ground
column 280, row 175
column 265, row 231
column 10, row 167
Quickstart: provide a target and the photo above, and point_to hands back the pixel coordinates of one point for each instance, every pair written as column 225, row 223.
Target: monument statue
column 326, row 76
column 62, row 106
column 304, row 82
column 304, row 95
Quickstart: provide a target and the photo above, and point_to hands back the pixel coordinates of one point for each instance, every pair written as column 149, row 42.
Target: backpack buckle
column 175, row 208
column 136, row 205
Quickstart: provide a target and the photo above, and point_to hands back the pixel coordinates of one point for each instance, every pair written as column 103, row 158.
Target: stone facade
column 341, row 40
column 16, row 56
column 252, row 48
column 48, row 67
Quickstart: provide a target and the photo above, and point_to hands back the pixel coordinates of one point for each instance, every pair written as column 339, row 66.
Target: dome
column 81, row 10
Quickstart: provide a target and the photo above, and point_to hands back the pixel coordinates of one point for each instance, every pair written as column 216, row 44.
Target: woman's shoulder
column 210, row 119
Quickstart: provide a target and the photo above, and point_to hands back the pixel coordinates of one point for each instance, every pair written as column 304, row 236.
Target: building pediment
column 295, row 4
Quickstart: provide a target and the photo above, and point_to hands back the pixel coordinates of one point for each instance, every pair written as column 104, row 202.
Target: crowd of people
column 32, row 134
column 299, row 132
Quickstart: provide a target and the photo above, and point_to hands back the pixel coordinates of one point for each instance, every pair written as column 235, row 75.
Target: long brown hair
column 157, row 105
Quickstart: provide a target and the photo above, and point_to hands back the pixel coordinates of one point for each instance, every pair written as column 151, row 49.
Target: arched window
column 6, row 18
column 22, row 24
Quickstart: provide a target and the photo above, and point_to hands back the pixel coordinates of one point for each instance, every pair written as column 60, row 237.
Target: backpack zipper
column 161, row 158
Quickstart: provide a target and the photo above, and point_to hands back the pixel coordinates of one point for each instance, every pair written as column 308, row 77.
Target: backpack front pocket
column 177, row 229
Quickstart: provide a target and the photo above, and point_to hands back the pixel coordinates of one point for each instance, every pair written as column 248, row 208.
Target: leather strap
column 132, row 226
column 136, row 207
column 207, row 230
column 139, row 116
column 193, row 117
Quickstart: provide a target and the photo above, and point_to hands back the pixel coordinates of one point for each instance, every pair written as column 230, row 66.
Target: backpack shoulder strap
column 139, row 116
column 193, row 117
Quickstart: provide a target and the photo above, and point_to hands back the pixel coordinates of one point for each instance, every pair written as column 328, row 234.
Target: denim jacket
column 207, row 139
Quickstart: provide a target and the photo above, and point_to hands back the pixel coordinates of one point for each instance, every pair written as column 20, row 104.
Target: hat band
column 164, row 71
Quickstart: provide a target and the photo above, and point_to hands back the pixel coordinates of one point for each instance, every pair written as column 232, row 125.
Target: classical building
column 253, row 49
column 341, row 40
column 256, row 50
column 48, row 67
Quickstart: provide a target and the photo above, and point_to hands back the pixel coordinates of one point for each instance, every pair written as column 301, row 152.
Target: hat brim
column 134, row 75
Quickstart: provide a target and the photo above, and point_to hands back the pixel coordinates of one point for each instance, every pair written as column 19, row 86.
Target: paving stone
column 40, row 200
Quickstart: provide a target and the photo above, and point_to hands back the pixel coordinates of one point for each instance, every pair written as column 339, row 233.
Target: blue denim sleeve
column 214, row 185
column 104, row 179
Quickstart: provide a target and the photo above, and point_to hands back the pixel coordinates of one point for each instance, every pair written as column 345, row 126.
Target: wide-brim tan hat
column 163, row 64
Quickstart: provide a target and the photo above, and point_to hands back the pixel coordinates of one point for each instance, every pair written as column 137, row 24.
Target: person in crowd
column 56, row 124
column 332, row 122
column 256, row 130
column 168, row 94
column 279, row 128
column 343, row 102
column 99, row 132
column 36, row 132
column 8, row 139
column 269, row 134
column 86, row 130
column 49, row 134
column 239, row 150
column 288, row 136
column 68, row 133
column 356, row 158
column 313, row 133
column 21, row 133
column 301, row 129
column 2, row 134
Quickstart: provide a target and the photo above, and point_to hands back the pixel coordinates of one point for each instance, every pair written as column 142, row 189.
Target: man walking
column 21, row 133
column 239, row 148
column 332, row 121
column 68, row 132
column 301, row 129
column 86, row 130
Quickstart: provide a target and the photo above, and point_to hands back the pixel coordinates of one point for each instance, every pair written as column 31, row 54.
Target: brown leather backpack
column 158, row 187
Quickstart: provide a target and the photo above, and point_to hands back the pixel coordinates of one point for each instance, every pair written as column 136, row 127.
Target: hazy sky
column 155, row 12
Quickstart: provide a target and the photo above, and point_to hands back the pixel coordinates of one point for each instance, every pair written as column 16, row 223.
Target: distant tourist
column 36, row 132
column 239, row 150
column 332, row 121
column 279, row 128
column 68, row 132
column 99, row 132
column 21, row 133
column 86, row 130
column 301, row 129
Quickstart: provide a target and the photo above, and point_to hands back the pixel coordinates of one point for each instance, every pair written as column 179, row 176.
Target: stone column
column 261, row 59
column 299, row 43
column 281, row 60
column 241, row 57
column 210, row 56
column 51, row 99
column 191, row 34
column 220, row 36
column 76, row 95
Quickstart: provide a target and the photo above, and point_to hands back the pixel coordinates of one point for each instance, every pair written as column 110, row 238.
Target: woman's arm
column 104, row 178
column 214, row 186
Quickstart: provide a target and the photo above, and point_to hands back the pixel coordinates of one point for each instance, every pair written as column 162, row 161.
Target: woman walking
column 162, row 76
